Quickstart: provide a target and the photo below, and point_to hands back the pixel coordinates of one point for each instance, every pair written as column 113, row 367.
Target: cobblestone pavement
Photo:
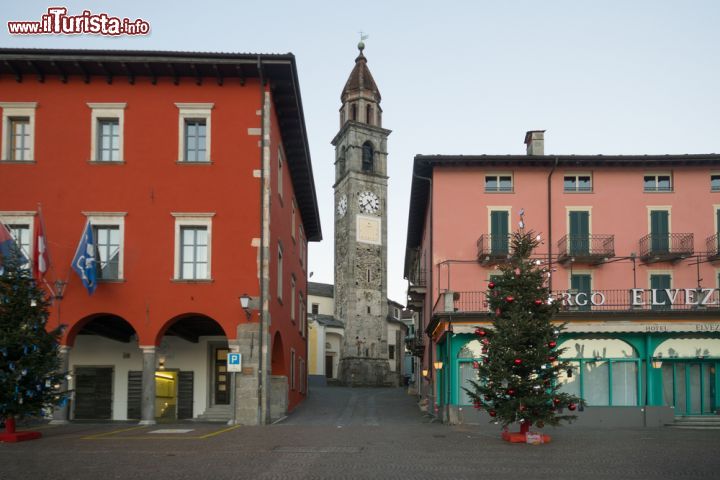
column 356, row 433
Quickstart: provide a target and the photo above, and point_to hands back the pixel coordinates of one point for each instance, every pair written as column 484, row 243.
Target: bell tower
column 361, row 230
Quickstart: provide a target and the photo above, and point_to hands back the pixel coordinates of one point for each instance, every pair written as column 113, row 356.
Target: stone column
column 148, row 385
column 61, row 412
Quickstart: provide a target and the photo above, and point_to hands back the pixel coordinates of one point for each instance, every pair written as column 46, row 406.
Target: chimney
column 535, row 141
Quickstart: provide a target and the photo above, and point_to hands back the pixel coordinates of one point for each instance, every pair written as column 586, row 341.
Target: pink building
column 631, row 242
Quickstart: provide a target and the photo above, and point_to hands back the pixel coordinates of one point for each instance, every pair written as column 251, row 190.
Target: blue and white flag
column 84, row 261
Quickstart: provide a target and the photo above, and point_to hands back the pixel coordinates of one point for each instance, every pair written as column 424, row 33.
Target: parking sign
column 234, row 362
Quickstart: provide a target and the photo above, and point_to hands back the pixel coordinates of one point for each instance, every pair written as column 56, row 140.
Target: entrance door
column 93, row 393
column 690, row 387
column 221, row 377
column 659, row 231
column 328, row 366
column 579, row 233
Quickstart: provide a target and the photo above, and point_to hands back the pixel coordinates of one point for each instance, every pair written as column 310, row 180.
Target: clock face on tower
column 342, row 206
column 369, row 202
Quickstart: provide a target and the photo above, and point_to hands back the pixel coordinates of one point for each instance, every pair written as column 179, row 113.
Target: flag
column 9, row 248
column 41, row 259
column 84, row 261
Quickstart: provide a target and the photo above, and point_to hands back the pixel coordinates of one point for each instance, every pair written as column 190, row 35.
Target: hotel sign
column 640, row 297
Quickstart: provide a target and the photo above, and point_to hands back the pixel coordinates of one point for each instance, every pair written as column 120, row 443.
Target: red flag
column 41, row 259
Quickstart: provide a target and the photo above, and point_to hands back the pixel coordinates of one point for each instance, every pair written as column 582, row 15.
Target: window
column 302, row 313
column 499, row 183
column 577, row 183
column 301, row 234
column 367, row 157
column 581, row 285
column 292, row 298
column 396, row 312
column 107, row 253
column 293, row 220
column 194, row 132
column 109, row 231
column 106, row 132
column 18, row 131
column 369, row 114
column 280, row 173
column 193, row 246
column 280, row 272
column 301, row 374
column 658, row 182
column 715, row 183
column 315, row 308
column 292, row 369
column 578, row 231
column 661, row 283
column 391, row 352
column 353, row 112
column 499, row 232
column 341, row 162
column 21, row 234
column 659, row 231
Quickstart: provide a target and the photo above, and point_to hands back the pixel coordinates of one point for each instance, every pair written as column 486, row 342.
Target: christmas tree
column 29, row 380
column 518, row 375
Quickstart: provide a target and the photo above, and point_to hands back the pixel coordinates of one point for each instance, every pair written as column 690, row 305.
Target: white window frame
column 22, row 218
column 100, row 111
column 667, row 173
column 292, row 369
column 714, row 174
column 497, row 176
column 10, row 111
column 114, row 219
column 577, row 176
column 194, row 111
column 280, row 162
column 292, row 297
column 191, row 220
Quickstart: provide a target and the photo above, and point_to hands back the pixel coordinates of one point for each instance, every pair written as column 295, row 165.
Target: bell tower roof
column 360, row 82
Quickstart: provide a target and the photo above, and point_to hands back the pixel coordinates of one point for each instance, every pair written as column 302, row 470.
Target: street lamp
column 245, row 304
column 438, row 365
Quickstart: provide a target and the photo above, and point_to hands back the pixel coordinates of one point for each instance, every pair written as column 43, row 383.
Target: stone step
column 696, row 422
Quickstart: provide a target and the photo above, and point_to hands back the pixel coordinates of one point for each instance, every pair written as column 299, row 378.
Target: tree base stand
column 11, row 436
column 522, row 435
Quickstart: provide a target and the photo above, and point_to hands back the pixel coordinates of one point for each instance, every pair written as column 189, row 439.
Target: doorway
column 221, row 378
column 328, row 366
column 690, row 386
column 166, row 395
column 93, row 393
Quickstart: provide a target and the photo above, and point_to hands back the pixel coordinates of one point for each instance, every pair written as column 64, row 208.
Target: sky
column 456, row 77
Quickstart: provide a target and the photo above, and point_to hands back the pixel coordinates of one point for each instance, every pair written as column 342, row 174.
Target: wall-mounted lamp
column 59, row 289
column 161, row 363
column 245, row 304
column 657, row 362
column 438, row 365
column 425, row 372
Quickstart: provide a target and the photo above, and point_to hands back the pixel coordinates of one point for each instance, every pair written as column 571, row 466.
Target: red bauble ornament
column 517, row 272
column 572, row 406
column 477, row 404
column 491, row 285
column 476, row 365
column 556, row 401
column 523, row 408
column 509, row 299
column 485, row 341
column 552, row 344
column 552, row 359
column 492, row 413
column 510, row 391
column 517, row 361
column 497, row 312
column 538, row 302
column 486, row 360
column 480, row 332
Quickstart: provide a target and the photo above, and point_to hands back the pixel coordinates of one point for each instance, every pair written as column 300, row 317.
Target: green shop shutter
column 659, row 231
column 499, row 231
column 134, row 402
column 579, row 233
column 185, row 395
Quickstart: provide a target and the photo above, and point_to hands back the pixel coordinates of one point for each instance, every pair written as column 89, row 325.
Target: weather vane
column 363, row 37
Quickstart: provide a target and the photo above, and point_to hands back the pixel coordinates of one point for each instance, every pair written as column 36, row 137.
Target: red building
column 194, row 172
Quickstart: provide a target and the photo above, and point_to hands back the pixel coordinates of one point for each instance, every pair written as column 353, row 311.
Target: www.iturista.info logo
column 58, row 22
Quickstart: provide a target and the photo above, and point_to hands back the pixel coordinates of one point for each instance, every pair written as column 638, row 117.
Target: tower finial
column 361, row 44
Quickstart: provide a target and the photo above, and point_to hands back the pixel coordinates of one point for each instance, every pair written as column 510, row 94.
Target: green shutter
column 499, row 232
column 660, row 283
column 579, row 233
column 582, row 283
column 659, row 231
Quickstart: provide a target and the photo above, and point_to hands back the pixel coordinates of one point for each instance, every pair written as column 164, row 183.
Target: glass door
column 690, row 387
column 222, row 378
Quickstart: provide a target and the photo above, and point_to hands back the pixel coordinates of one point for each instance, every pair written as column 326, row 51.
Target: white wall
column 326, row 305
column 333, row 336
column 391, row 329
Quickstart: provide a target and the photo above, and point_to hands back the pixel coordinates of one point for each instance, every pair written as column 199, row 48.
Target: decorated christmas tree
column 518, row 375
column 29, row 377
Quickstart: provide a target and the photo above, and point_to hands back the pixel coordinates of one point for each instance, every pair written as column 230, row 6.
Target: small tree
column 517, row 378
column 29, row 377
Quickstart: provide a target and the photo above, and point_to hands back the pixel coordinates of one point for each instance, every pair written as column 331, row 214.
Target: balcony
column 417, row 288
column 415, row 345
column 712, row 247
column 667, row 247
column 493, row 248
column 586, row 249
column 598, row 301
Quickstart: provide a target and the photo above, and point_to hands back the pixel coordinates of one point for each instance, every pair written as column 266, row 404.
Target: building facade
column 361, row 230
column 630, row 244
column 194, row 173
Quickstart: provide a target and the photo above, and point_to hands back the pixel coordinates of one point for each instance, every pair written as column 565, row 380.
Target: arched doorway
column 278, row 356
column 104, row 351
column 192, row 380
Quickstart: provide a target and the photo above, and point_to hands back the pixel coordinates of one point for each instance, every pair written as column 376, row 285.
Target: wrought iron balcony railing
column 586, row 248
column 418, row 278
column 666, row 247
column 491, row 247
column 712, row 247
column 415, row 345
column 621, row 300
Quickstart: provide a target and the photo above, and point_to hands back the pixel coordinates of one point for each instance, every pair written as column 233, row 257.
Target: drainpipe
column 263, row 199
column 549, row 236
